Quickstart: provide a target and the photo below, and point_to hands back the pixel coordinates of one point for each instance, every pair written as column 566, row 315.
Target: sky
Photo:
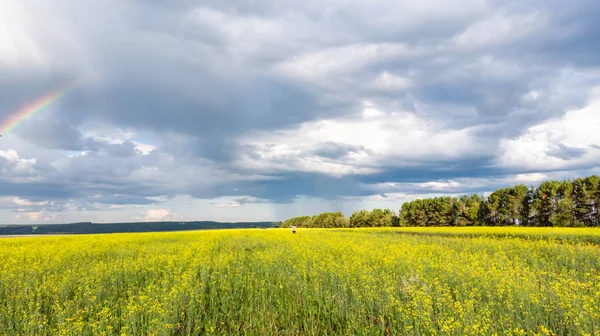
column 263, row 110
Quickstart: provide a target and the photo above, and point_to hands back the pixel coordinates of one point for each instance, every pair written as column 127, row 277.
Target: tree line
column 572, row 203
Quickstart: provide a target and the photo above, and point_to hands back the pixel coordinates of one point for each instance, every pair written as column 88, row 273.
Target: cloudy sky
column 262, row 110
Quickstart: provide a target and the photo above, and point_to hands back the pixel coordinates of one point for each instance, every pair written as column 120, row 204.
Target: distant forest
column 87, row 227
column 569, row 203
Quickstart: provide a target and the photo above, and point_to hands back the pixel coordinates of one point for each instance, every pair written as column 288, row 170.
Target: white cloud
column 500, row 29
column 10, row 154
column 460, row 185
column 228, row 205
column 390, row 82
column 143, row 148
column 406, row 188
column 532, row 95
column 34, row 216
column 576, row 131
column 319, row 65
column 390, row 200
column 18, row 46
column 397, row 137
column 158, row 215
column 19, row 168
column 158, row 198
column 282, row 157
column 21, row 202
column 440, row 185
column 236, row 202
column 34, row 35
column 118, row 137
column 241, row 34
column 529, row 179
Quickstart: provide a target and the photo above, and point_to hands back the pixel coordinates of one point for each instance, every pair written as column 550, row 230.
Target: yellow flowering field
column 557, row 234
column 316, row 282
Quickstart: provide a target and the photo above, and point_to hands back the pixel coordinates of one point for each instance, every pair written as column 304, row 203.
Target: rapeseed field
column 316, row 282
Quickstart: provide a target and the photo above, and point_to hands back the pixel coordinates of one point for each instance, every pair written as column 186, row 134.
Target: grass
column 555, row 234
column 317, row 282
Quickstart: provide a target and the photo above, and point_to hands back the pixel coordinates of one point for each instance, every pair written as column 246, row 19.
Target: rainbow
column 33, row 108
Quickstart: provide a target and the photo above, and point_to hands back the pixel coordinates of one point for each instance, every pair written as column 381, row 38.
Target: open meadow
column 477, row 281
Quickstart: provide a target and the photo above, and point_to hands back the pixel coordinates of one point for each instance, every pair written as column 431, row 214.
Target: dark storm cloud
column 437, row 170
column 215, row 72
column 565, row 152
column 217, row 112
column 575, row 34
column 317, row 185
column 46, row 190
column 53, row 134
column 123, row 199
column 285, row 189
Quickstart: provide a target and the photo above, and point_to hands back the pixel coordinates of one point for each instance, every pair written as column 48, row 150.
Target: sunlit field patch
column 316, row 282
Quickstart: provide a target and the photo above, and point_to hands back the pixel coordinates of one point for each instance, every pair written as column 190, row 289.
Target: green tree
column 396, row 220
column 585, row 201
column 359, row 218
column 387, row 218
column 514, row 198
column 490, row 209
column 302, row 221
column 546, row 202
column 468, row 210
column 563, row 214
column 342, row 222
column 326, row 219
column 413, row 213
column 528, row 215
column 375, row 217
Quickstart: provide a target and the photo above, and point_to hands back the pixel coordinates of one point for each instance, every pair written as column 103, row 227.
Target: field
column 475, row 281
